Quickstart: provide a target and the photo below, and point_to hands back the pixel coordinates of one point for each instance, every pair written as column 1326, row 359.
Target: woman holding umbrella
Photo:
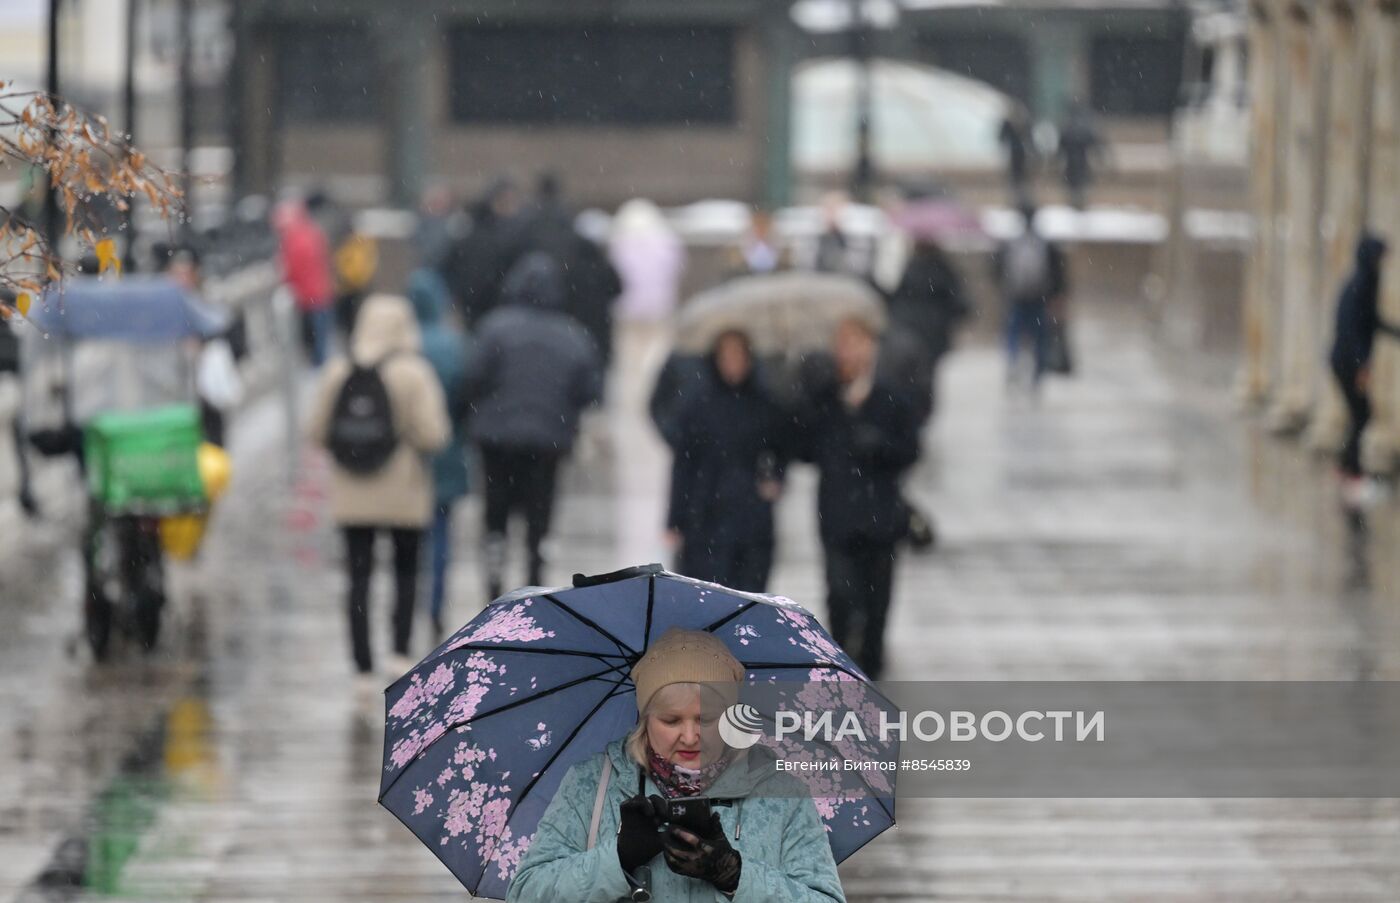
column 599, row 839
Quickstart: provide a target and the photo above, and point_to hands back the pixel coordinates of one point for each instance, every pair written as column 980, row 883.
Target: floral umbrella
column 480, row 733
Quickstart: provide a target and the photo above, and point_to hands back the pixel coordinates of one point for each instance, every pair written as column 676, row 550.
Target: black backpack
column 361, row 437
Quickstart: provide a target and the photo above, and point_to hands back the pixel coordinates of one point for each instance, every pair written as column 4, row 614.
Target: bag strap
column 598, row 802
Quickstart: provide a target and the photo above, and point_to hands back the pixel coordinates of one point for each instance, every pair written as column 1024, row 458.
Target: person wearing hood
column 726, row 472
column 446, row 349
column 534, row 372
column 1358, row 321
column 600, row 837
column 396, row 495
column 478, row 260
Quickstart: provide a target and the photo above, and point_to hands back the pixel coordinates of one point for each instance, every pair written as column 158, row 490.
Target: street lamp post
column 129, row 121
column 186, row 28
column 51, row 228
column 863, row 173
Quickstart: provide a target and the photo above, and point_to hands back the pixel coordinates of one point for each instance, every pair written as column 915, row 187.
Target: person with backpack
column 534, row 371
column 1031, row 274
column 381, row 415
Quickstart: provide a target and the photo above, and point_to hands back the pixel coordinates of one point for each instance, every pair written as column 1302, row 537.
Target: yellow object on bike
column 214, row 470
column 180, row 535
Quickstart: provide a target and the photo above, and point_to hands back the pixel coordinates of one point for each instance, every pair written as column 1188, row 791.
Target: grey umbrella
column 781, row 313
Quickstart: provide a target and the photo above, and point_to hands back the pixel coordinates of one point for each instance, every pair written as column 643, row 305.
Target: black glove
column 639, row 837
column 708, row 857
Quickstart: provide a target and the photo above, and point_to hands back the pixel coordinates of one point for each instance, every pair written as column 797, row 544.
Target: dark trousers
column 738, row 565
column 359, row 559
column 518, row 480
column 1359, row 407
column 859, row 581
column 1027, row 320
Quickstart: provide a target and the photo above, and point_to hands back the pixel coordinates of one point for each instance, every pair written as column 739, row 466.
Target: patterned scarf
column 677, row 780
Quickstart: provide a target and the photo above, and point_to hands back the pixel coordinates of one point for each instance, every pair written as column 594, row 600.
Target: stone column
column 1382, row 440
column 406, row 40
column 1344, row 210
column 1268, row 106
column 780, row 40
column 1298, row 351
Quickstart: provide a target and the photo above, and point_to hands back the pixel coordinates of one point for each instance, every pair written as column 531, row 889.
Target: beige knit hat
column 684, row 656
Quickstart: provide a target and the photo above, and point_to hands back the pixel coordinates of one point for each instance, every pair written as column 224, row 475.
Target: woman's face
column 732, row 359
column 682, row 730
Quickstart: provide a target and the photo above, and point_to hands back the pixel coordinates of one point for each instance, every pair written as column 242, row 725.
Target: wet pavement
column 1129, row 526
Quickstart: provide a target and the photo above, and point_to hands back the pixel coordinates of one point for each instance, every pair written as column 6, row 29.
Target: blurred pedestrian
column 863, row 434
column 930, row 302
column 1030, row 271
column 834, row 248
column 1357, row 322
column 218, row 384
column 534, row 371
column 650, row 260
column 306, row 269
column 441, row 222
column 727, row 472
column 760, row 250
column 592, row 282
column 1080, row 149
column 478, row 261
column 546, row 223
column 446, row 349
column 380, row 413
column 1015, row 136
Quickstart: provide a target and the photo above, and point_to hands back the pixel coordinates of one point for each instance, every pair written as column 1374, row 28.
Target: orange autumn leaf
column 24, row 301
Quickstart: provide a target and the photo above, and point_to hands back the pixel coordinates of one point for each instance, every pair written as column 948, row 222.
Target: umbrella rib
column 541, row 695
column 829, row 665
column 651, row 601
column 729, row 617
column 510, row 705
column 589, row 623
column 611, row 694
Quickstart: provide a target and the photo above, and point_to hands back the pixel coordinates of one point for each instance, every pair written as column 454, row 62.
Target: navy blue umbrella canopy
column 480, row 733
column 138, row 309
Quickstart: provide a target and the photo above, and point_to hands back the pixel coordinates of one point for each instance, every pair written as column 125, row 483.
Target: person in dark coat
column 727, row 472
column 534, row 371
column 1358, row 321
column 592, row 285
column 1080, row 147
column 682, row 377
column 929, row 301
column 1031, row 272
column 478, row 261
column 862, row 434
column 1015, row 136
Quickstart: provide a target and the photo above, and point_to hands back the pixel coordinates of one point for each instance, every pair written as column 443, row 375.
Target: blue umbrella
column 147, row 310
column 480, row 733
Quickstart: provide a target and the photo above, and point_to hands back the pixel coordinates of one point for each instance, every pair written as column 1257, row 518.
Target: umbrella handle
column 641, row 570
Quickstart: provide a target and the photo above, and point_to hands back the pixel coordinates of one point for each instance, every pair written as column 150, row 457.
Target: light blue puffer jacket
column 777, row 832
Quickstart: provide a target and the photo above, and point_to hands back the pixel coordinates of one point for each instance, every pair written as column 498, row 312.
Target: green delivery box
column 145, row 457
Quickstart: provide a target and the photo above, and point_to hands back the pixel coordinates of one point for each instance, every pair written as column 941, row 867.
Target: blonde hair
column 636, row 743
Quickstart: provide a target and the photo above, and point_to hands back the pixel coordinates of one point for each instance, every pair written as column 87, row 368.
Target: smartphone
column 690, row 812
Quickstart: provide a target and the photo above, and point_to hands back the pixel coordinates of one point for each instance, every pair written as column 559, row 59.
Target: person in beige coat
column 397, row 498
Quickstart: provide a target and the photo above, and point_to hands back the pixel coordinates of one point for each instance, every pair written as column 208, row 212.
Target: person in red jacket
column 306, row 269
